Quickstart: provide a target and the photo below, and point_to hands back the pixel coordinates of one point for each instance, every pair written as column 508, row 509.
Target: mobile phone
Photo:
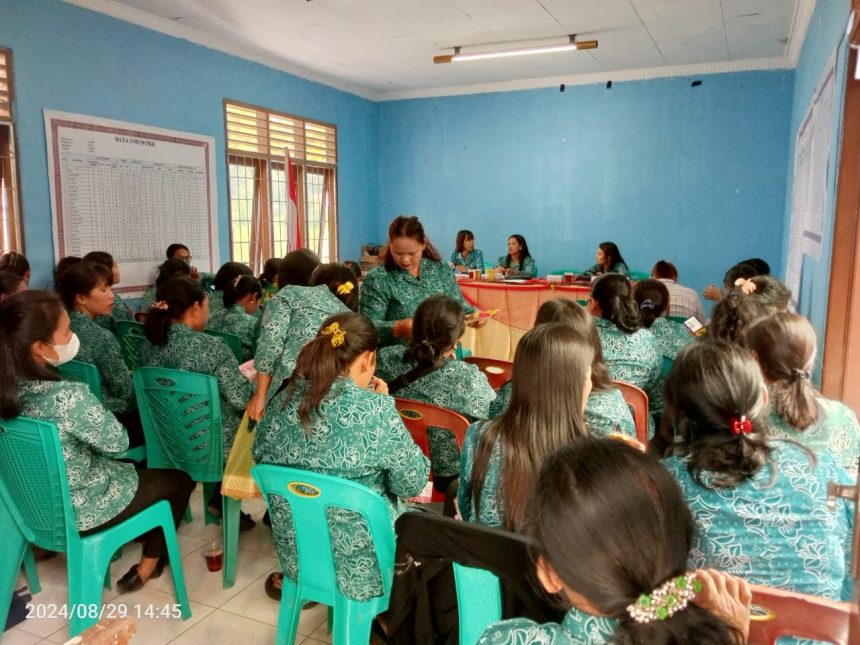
column 695, row 326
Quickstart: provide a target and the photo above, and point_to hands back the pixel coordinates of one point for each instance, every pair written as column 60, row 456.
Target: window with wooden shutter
column 11, row 237
column 259, row 187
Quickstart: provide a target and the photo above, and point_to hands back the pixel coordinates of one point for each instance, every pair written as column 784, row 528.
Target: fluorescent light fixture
column 459, row 56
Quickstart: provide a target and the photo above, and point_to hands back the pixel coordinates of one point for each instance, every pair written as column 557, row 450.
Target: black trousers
column 133, row 426
column 155, row 484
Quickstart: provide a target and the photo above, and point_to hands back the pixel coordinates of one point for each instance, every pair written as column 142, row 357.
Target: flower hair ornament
column 747, row 286
column 740, row 425
column 337, row 334
column 345, row 288
column 666, row 600
column 160, row 305
column 647, row 304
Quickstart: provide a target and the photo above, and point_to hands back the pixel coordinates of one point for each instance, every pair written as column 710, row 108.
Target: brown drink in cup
column 214, row 557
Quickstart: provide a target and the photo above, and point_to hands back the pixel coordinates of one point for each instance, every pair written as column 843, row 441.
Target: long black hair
column 712, row 385
column 438, row 324
column 239, row 287
column 611, row 291
column 524, row 250
column 172, row 299
column 228, row 272
column 735, row 313
column 325, row 358
column 25, row 318
column 612, row 254
column 340, row 280
column 652, row 296
column 613, row 525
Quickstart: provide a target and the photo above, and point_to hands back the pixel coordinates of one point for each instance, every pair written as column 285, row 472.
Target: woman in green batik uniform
column 168, row 270
column 784, row 345
column 35, row 333
column 328, row 421
column 501, row 458
column 241, row 301
column 518, row 263
column 119, row 310
column 450, row 383
column 412, row 271
column 293, row 317
column 228, row 272
column 85, row 290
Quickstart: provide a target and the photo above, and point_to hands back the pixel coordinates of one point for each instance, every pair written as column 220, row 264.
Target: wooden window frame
column 13, row 169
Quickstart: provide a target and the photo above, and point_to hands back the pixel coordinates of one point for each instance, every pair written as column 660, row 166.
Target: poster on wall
column 813, row 182
column 130, row 190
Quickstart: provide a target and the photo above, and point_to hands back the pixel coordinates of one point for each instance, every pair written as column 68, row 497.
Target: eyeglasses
column 184, row 258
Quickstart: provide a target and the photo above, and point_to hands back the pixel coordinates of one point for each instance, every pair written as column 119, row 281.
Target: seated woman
column 309, row 294
column 606, row 411
column 35, row 333
column 784, row 345
column 175, row 340
column 241, row 300
column 269, row 279
column 85, row 290
column 746, row 270
column 465, row 255
column 609, row 260
column 501, row 458
column 17, row 264
column 518, row 263
column 228, row 272
column 174, row 268
column 760, row 505
column 613, row 537
column 119, row 310
column 10, row 284
column 411, row 272
column 427, row 371
column 326, row 419
column 630, row 352
column 652, row 296
column 736, row 312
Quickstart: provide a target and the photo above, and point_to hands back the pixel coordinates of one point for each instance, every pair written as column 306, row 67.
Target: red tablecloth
column 518, row 305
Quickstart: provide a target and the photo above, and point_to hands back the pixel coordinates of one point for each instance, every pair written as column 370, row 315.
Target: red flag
column 294, row 241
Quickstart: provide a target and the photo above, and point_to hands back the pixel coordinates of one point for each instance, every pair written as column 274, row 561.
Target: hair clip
column 647, row 304
column 337, row 334
column 666, row 600
column 799, row 375
column 160, row 305
column 236, row 281
column 740, row 426
column 345, row 288
column 747, row 286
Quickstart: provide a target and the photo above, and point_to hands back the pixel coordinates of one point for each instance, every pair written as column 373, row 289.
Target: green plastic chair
column 35, row 488
column 639, row 275
column 131, row 339
column 181, row 416
column 563, row 271
column 678, row 319
column 309, row 495
column 16, row 552
column 233, row 342
column 479, row 601
column 667, row 365
column 89, row 373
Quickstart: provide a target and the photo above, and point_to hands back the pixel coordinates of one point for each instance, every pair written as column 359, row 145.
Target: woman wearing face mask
column 35, row 333
column 412, row 272
column 85, row 290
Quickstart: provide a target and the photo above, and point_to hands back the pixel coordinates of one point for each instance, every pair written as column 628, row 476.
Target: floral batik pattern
column 475, row 260
column 234, row 320
column 525, row 269
column 389, row 296
column 194, row 351
column 90, row 437
column 577, row 628
column 357, row 435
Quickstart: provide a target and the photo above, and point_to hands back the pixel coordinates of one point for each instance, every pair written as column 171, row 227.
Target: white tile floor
column 242, row 614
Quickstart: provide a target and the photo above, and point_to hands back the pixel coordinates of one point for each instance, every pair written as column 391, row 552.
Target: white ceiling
column 384, row 49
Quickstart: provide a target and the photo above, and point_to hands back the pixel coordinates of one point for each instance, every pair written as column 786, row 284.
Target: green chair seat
column 131, row 339
column 34, row 487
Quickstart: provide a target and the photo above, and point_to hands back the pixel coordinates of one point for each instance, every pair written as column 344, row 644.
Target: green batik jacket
column 234, row 320
column 100, row 347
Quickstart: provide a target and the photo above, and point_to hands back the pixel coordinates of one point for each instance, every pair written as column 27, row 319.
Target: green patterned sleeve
column 452, row 289
column 529, row 269
column 273, row 336
column 407, row 469
column 467, row 458
column 594, row 269
column 373, row 303
column 234, row 387
column 93, row 424
column 481, row 396
column 113, row 370
column 120, row 310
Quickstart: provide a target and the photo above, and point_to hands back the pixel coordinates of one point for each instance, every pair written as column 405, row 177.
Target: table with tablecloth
column 518, row 304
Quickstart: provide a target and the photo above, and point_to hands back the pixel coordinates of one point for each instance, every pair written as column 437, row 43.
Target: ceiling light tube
column 572, row 44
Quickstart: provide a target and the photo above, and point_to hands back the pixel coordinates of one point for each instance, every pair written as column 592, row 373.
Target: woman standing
column 412, row 271
column 609, row 260
column 465, row 255
column 518, row 262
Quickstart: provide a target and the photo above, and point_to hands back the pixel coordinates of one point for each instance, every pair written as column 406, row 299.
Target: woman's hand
column 402, row 328
column 727, row 597
column 461, row 268
column 377, row 385
column 256, row 406
column 194, row 273
column 712, row 292
column 477, row 323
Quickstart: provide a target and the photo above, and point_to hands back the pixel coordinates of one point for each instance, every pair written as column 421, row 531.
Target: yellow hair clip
column 345, row 288
column 337, row 334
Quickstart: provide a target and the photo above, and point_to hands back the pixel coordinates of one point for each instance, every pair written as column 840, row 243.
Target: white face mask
column 66, row 352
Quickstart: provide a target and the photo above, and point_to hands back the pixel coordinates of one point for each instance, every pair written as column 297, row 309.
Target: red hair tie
column 741, row 426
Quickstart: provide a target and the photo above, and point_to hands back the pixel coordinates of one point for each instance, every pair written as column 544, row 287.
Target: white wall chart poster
column 130, row 190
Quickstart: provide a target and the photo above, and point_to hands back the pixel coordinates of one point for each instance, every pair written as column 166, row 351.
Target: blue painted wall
column 824, row 40
column 692, row 174
column 71, row 59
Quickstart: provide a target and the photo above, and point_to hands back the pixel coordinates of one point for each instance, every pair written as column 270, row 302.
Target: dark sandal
column 132, row 581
